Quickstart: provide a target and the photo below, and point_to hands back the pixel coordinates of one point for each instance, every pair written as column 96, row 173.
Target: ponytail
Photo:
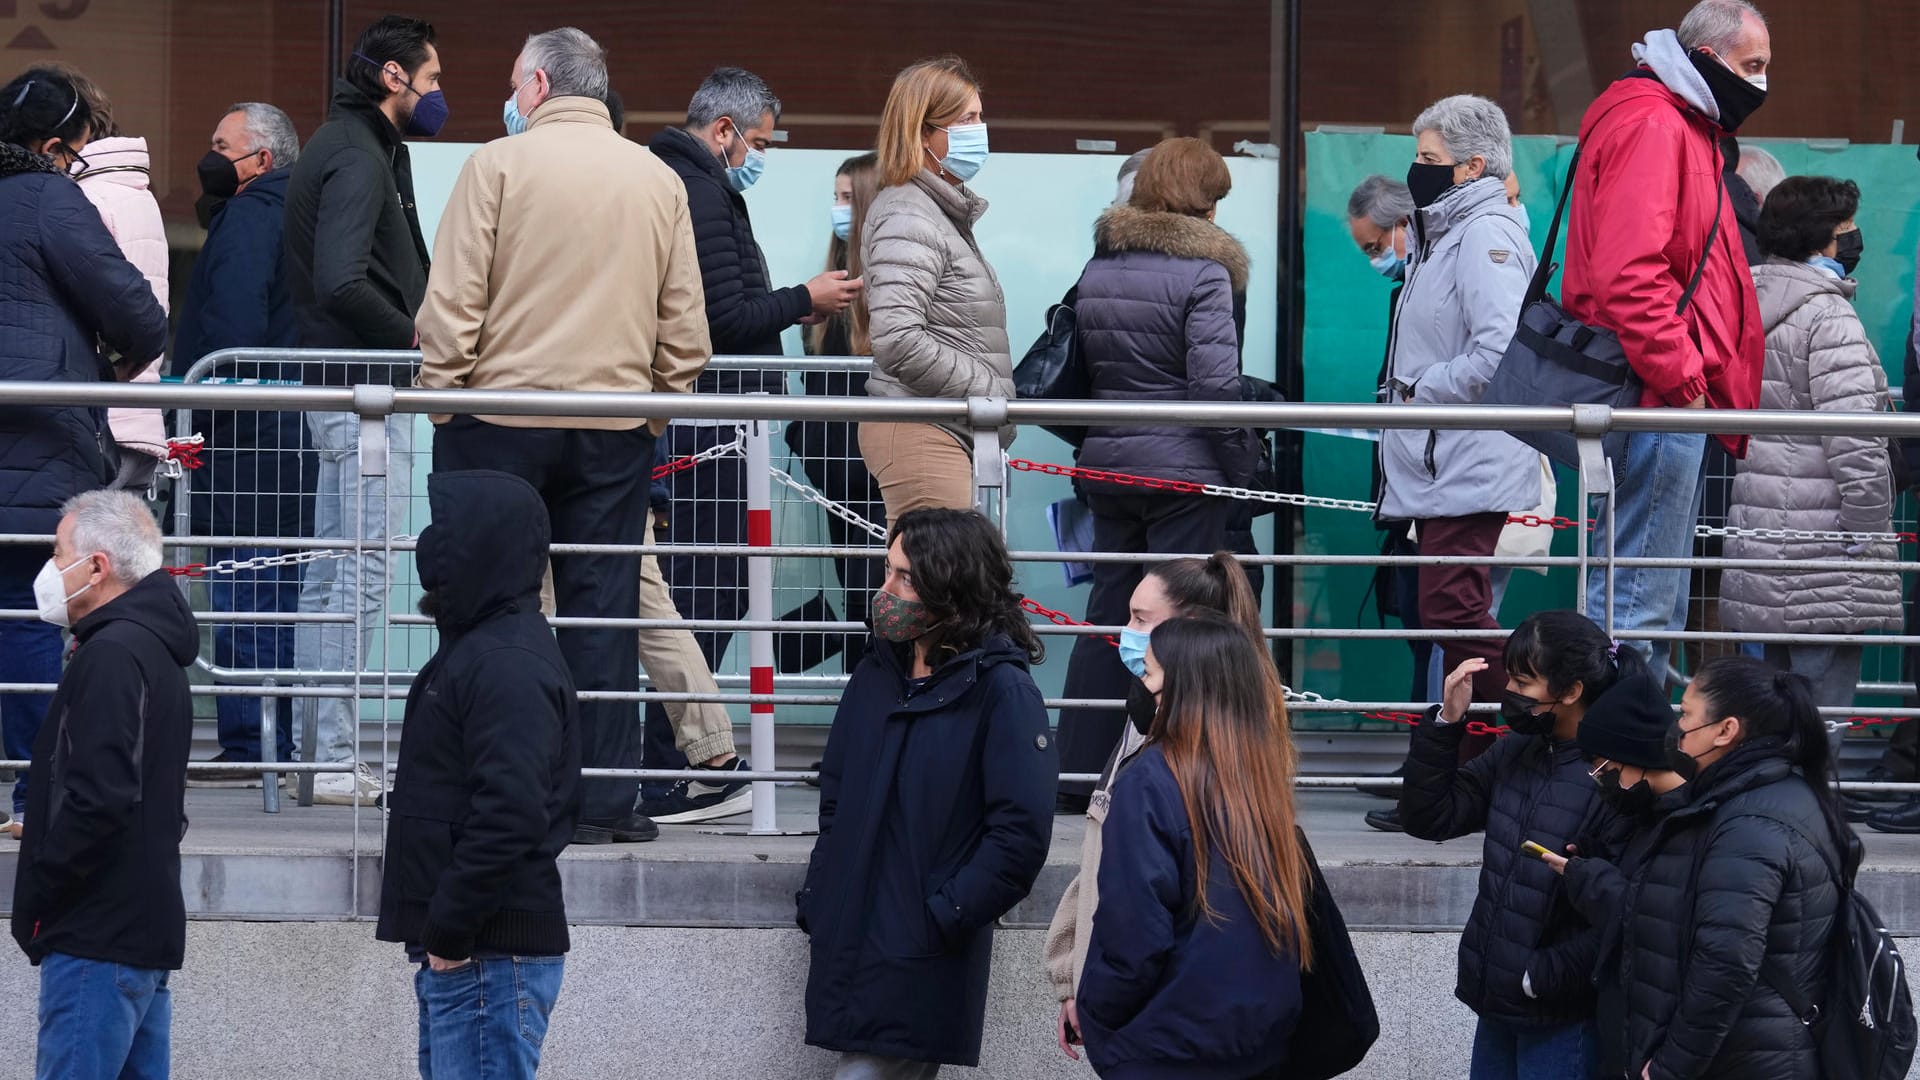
column 1217, row 584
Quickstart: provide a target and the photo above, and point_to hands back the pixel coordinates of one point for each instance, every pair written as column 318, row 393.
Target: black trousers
column 595, row 487
column 1145, row 524
column 830, row 455
column 1902, row 755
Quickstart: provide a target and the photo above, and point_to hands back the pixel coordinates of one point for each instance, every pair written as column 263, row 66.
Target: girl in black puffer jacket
column 1736, row 870
column 1526, row 957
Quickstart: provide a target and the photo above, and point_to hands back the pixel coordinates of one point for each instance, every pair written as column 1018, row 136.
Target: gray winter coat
column 1155, row 323
column 937, row 315
column 1467, row 275
column 1818, row 357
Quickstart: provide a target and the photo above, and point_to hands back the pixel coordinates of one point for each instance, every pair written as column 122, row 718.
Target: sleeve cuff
column 445, row 944
column 1686, row 393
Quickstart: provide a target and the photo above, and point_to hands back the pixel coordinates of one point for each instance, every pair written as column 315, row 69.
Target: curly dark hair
column 962, row 574
column 391, row 39
column 1801, row 214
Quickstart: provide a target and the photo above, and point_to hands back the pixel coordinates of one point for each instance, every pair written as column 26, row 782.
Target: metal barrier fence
column 372, row 424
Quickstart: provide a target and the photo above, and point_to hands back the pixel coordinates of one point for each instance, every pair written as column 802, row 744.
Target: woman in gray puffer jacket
column 1818, row 357
column 936, row 313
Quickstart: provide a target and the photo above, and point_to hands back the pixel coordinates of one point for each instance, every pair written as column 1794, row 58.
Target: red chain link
column 661, row 472
column 1474, row 727
column 186, row 452
column 1060, row 618
column 195, row 569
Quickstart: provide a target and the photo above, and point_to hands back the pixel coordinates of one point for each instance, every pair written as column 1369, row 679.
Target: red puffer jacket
column 1643, row 200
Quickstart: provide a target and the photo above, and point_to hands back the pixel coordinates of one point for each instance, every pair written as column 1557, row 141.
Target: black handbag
column 1555, row 359
column 1053, row 369
column 1338, row 1023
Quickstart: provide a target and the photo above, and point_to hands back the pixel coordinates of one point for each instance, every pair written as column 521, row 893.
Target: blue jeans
column 346, row 505
column 1657, row 506
column 263, row 645
column 487, row 1019
column 1508, row 1052
column 29, row 653
column 102, row 1021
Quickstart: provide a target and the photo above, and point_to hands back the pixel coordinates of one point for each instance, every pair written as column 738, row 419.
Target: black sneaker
column 1381, row 791
column 1880, row 774
column 699, row 800
column 224, row 778
column 1386, row 820
column 632, row 829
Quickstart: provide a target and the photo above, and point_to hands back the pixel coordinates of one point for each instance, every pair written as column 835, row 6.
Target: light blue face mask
column 1133, row 650
column 966, row 151
column 510, row 112
column 1389, row 264
column 742, row 176
column 842, row 221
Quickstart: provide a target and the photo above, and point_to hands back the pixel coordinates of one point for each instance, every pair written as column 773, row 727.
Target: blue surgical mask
column 1133, row 650
column 842, row 221
column 1526, row 221
column 966, row 151
column 510, row 113
column 1389, row 264
column 742, row 176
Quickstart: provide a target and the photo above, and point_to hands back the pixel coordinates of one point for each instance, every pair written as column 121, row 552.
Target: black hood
column 18, row 159
column 155, row 604
column 349, row 100
column 487, row 547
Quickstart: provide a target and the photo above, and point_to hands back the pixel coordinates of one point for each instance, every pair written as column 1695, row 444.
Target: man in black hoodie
column 96, row 894
column 488, row 790
column 718, row 154
column 357, row 271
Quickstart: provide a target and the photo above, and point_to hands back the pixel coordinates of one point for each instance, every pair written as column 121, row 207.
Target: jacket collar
column 678, row 142
column 15, row 160
column 1128, row 228
column 957, row 201
column 1663, row 54
column 571, row 109
column 349, row 101
column 1784, row 287
column 120, row 160
column 1487, row 195
column 948, row 681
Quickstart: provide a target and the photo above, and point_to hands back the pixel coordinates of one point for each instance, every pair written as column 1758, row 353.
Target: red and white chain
column 711, row 453
column 234, row 566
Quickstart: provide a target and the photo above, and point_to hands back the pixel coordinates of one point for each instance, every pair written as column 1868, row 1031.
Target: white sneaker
column 344, row 789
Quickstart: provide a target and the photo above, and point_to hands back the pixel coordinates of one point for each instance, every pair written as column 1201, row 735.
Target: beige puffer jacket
column 1818, row 357
column 937, row 315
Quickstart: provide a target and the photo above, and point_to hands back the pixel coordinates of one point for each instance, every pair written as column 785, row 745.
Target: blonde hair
column 864, row 173
column 931, row 93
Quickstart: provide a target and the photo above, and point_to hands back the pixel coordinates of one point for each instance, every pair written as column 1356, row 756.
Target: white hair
column 1381, row 200
column 118, row 525
column 1761, row 170
column 269, row 129
column 1717, row 25
column 1470, row 126
column 575, row 64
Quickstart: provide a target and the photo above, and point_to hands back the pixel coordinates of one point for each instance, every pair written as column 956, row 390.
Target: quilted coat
column 1818, row 357
column 937, row 315
column 116, row 183
column 64, row 290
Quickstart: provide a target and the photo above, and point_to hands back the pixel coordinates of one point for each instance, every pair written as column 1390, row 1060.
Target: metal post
column 373, row 404
column 985, row 417
column 766, row 820
column 1590, row 424
column 269, row 749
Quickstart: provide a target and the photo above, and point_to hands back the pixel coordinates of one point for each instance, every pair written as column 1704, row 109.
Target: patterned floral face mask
column 898, row 620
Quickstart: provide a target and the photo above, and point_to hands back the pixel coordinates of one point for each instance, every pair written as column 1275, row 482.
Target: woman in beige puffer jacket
column 937, row 316
column 1818, row 358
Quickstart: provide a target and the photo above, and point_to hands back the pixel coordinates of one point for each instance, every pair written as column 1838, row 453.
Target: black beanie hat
column 1628, row 724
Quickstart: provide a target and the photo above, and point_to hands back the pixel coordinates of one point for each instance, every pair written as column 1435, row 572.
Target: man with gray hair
column 527, row 292
column 718, row 154
column 259, row 479
column 1651, row 225
column 96, row 894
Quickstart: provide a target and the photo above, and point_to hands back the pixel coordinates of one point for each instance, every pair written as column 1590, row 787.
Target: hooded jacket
column 936, row 810
column 745, row 313
column 237, row 299
column 488, row 788
column 1526, row 957
column 99, row 869
column 1155, row 322
column 1643, row 206
column 1818, row 358
column 116, row 183
column 1732, row 870
column 1468, row 266
column 65, row 289
column 936, row 314
column 356, row 260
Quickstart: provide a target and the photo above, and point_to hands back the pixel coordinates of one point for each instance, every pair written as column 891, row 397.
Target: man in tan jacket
column 565, row 261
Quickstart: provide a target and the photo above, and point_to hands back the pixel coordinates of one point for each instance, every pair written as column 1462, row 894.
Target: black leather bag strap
column 1719, row 203
column 1543, row 272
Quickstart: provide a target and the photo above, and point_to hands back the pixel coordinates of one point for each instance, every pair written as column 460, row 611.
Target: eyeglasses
column 1593, row 774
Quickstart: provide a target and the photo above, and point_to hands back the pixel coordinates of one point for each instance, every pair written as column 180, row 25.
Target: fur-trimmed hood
column 1129, row 228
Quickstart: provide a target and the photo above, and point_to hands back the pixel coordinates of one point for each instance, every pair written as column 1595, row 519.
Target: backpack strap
column 1543, row 271
column 1719, row 202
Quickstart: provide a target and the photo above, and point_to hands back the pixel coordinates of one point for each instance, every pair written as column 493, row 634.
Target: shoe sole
column 254, row 783
column 343, row 800
column 600, row 834
column 740, row 803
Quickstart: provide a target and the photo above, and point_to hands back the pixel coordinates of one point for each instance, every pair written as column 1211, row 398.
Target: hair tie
column 1613, row 650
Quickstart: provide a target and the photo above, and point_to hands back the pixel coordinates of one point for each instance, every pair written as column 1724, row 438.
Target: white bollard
column 760, row 610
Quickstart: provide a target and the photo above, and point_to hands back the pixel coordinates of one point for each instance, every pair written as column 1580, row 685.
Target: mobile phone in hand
column 1535, row 850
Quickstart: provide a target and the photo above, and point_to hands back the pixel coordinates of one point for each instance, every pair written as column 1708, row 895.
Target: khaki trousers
column 917, row 466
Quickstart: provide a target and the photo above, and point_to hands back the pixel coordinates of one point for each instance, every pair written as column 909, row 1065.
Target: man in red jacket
column 1646, row 198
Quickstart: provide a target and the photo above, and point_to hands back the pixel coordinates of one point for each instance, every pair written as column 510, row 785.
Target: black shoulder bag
column 1053, row 368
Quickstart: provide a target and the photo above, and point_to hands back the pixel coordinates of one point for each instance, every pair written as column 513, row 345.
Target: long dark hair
column 1563, row 647
column 1776, row 705
column 1226, row 739
column 962, row 574
column 42, row 105
column 1217, row 584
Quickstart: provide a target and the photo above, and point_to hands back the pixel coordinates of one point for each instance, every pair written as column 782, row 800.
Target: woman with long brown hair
column 1201, row 937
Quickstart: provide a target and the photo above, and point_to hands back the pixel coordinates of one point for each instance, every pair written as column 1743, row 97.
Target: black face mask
column 1626, row 801
column 1847, row 254
column 1140, row 706
column 1517, row 712
column 205, row 207
column 219, row 175
column 1426, row 183
column 1736, row 97
column 1679, row 760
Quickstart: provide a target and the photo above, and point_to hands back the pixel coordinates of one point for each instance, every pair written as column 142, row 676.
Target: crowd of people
column 1657, row 894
